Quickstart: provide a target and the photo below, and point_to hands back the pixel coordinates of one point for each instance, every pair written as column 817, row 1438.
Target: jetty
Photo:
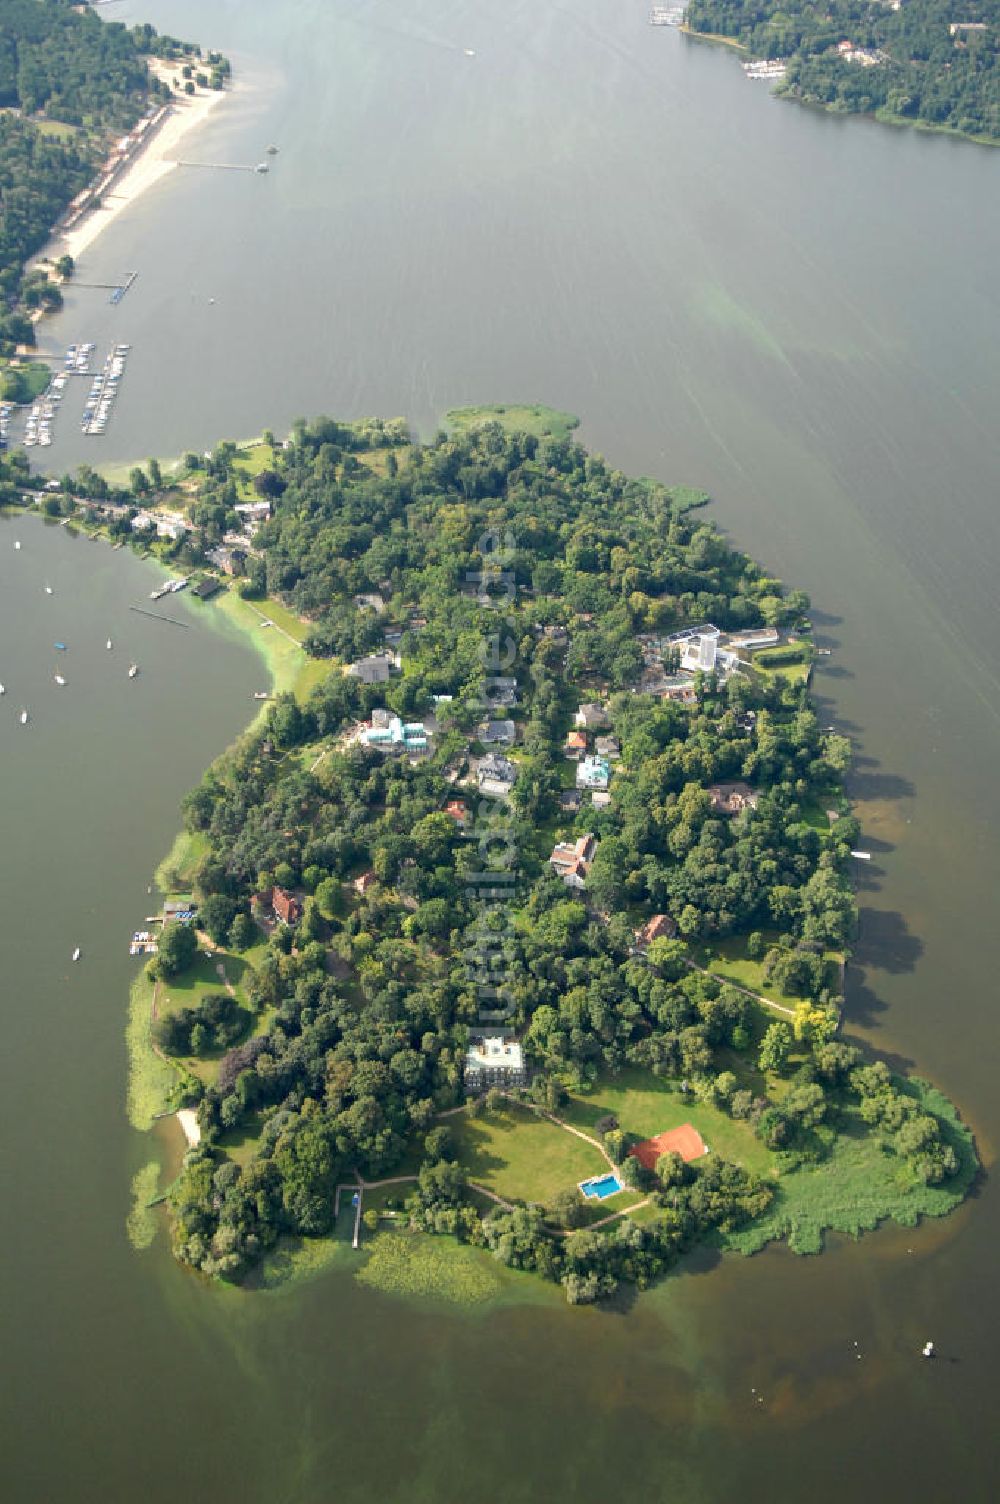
column 158, row 616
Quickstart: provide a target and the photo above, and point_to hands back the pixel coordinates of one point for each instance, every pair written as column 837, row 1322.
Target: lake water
column 799, row 313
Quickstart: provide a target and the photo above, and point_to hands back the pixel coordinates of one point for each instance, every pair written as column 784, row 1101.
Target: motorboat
column 76, row 954
column 59, row 679
column 133, row 669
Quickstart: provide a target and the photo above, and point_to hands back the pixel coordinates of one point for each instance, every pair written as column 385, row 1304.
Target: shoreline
column 153, row 162
column 148, row 1086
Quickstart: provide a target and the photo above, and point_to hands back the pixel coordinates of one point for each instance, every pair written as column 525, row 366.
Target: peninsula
column 520, row 914
column 918, row 62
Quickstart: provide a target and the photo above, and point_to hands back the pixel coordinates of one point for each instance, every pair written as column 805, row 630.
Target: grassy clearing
column 645, row 1106
column 177, row 869
column 152, row 1082
column 728, row 960
column 535, row 418
column 25, row 381
column 291, row 669
column 522, row 1156
column 861, row 1185
column 413, row 1265
column 141, row 1222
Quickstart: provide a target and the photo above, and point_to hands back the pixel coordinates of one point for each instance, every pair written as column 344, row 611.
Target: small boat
column 48, row 590
column 76, row 954
column 17, row 543
column 60, row 647
column 109, row 644
column 59, row 679
column 261, row 694
column 133, row 669
column 24, row 717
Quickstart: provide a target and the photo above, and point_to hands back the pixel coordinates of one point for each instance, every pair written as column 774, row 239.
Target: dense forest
column 919, row 60
column 364, row 1001
column 69, row 83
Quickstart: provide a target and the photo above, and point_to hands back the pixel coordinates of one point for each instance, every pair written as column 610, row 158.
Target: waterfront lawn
column 176, row 871
column 646, row 1106
column 534, row 418
column 860, row 1184
column 522, row 1156
column 727, row 959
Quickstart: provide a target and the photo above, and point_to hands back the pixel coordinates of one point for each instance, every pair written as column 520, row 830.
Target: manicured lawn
column 728, row 959
column 645, row 1106
column 252, row 460
column 200, row 979
column 523, row 1156
column 543, row 422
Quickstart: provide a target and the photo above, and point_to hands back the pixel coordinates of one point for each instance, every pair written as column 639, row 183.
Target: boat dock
column 156, row 616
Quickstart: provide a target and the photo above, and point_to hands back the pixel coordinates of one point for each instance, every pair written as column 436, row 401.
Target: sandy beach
column 157, row 158
column 188, row 1120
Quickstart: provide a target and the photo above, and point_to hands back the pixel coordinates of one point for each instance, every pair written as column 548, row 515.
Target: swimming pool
column 601, row 1187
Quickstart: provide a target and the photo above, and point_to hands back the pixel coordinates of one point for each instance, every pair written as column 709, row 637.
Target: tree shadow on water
column 885, row 943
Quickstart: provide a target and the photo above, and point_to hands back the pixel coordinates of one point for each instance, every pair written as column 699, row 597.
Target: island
column 515, row 926
column 920, row 62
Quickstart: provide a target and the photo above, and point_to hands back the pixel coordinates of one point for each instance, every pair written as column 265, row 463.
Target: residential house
column 593, row 773
column 575, row 745
column 732, row 798
column 497, row 733
column 600, row 798
column 761, row 637
column 364, row 882
column 570, row 800
column 494, row 1061
column 286, row 906
column 374, row 669
column 458, row 810
column 369, row 602
column 495, row 774
column 388, row 733
column 591, row 717
column 571, row 860
column 660, row 927
column 207, row 587
column 500, row 691
column 608, row 747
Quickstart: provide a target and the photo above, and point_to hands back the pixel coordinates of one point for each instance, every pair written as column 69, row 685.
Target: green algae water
column 798, row 313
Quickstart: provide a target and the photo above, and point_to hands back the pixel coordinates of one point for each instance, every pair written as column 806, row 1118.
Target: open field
column 522, row 1156
column 645, row 1107
column 535, row 418
column 151, row 1080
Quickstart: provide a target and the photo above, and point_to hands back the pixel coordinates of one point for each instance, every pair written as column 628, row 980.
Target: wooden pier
column 157, row 616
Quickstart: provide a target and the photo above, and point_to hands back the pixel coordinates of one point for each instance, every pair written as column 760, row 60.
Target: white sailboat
column 17, row 543
column 48, row 590
column 2, row 690
column 76, row 954
column 24, row 717
column 109, row 644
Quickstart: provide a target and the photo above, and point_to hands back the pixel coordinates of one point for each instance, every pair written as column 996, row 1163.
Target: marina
column 104, row 391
